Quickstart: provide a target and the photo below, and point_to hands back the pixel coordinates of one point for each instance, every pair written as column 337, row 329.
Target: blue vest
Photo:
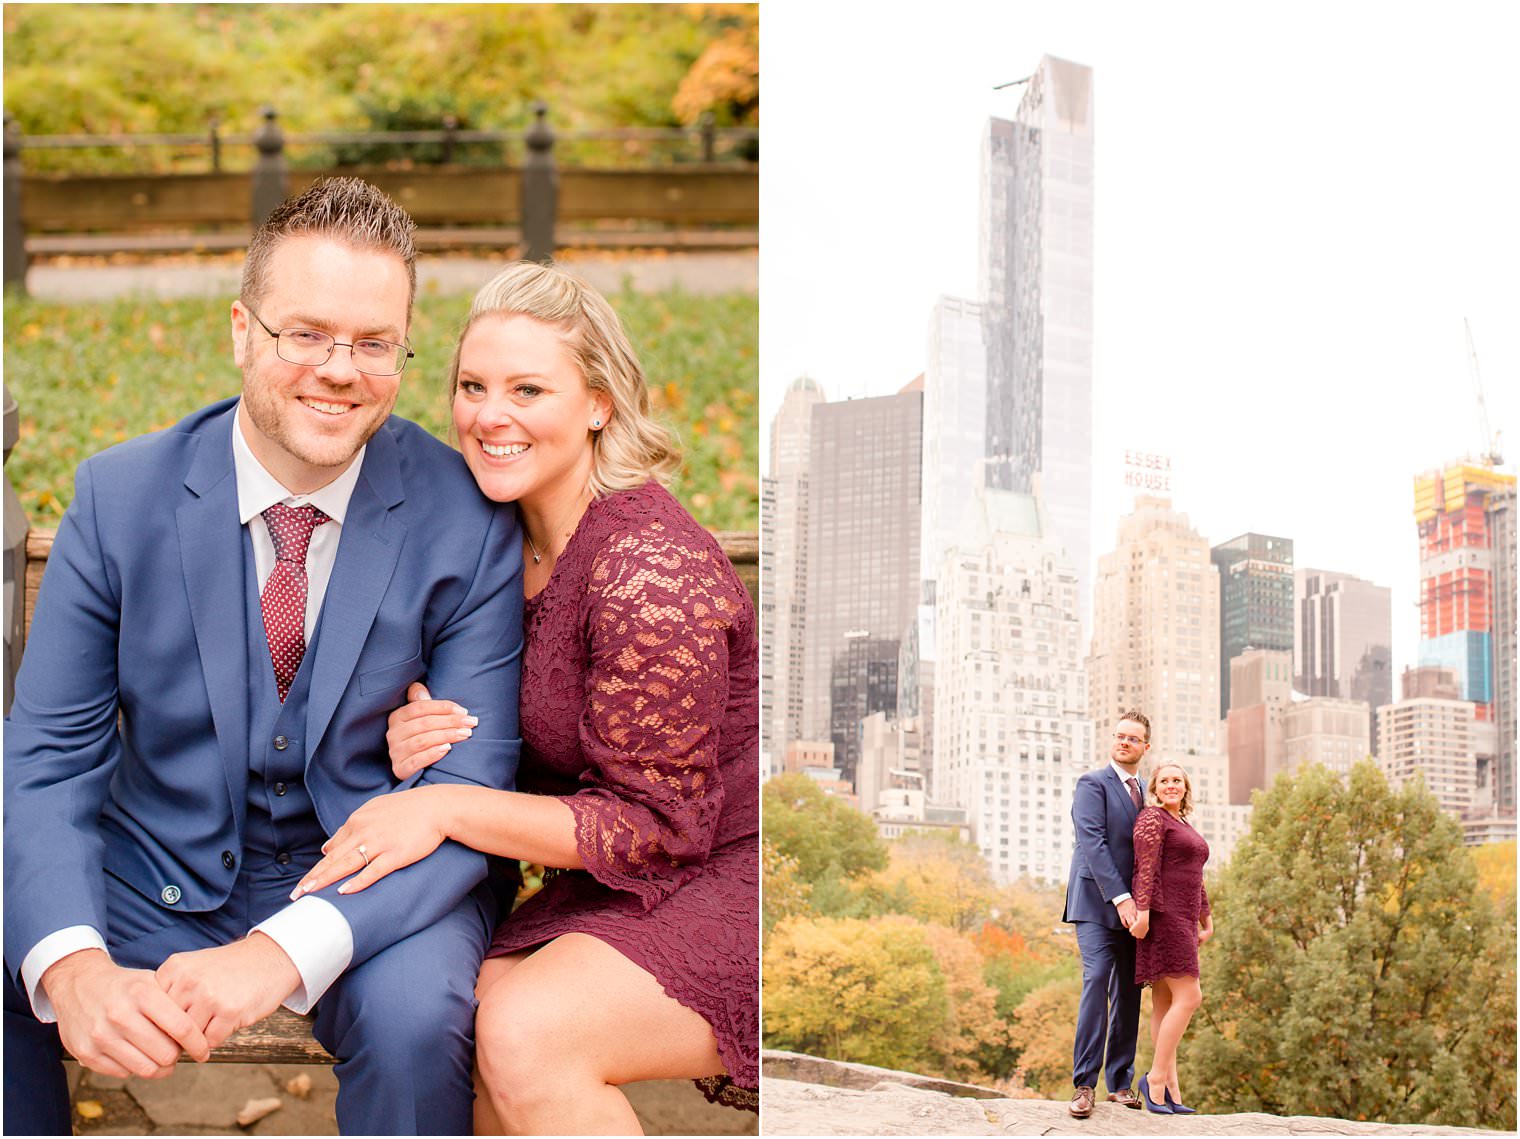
column 282, row 834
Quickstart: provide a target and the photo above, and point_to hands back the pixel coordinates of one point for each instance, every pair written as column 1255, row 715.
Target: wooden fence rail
column 533, row 195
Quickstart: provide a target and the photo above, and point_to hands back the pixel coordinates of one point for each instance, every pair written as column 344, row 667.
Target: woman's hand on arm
column 385, row 834
column 422, row 731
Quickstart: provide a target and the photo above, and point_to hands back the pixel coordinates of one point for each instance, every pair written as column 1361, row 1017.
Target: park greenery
column 100, row 69
column 86, row 376
column 1360, row 968
column 1363, row 965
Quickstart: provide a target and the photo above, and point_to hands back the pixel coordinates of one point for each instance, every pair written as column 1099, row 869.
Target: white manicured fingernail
column 473, row 721
column 463, row 734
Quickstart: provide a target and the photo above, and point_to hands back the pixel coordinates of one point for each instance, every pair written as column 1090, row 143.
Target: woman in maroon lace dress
column 1173, row 921
column 638, row 959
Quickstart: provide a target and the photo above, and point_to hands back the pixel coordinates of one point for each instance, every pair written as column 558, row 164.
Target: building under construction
column 1465, row 515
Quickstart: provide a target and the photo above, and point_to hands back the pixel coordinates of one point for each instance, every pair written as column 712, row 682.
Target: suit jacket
column 1104, row 859
column 127, row 744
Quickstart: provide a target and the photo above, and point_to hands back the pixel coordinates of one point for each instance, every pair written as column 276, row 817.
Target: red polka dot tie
column 284, row 598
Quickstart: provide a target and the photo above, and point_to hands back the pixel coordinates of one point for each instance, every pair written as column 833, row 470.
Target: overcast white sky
column 1295, row 208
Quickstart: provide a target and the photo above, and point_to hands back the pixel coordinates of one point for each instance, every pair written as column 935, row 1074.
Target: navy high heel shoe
column 1145, row 1096
column 1177, row 1108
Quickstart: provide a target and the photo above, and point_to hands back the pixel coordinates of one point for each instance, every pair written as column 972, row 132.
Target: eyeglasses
column 311, row 349
column 1133, row 741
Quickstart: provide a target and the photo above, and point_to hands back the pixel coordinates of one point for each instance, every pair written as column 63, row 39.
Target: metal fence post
column 450, row 129
column 15, row 230
column 15, row 560
column 708, row 125
column 270, row 184
column 216, row 146
column 540, row 188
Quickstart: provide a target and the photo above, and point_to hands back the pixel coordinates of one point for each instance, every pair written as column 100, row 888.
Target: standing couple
column 1137, row 899
column 226, row 787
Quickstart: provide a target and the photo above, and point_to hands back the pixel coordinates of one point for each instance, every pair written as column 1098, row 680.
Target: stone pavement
column 99, row 278
column 206, row 1099
column 807, row 1096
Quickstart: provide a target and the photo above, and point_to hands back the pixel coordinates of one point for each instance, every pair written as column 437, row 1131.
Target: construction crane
column 1491, row 456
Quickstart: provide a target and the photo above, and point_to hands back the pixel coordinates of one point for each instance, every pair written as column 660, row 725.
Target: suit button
column 227, row 860
column 281, row 743
column 170, row 895
column 283, row 858
column 280, row 788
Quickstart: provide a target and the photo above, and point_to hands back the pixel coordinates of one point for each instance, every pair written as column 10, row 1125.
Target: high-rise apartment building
column 1155, row 640
column 862, row 546
column 1011, row 729
column 1037, row 273
column 1431, row 737
column 1261, row 687
column 1255, row 600
column 955, row 414
column 783, row 570
column 890, row 759
column 1500, row 511
column 1344, row 642
column 1324, row 730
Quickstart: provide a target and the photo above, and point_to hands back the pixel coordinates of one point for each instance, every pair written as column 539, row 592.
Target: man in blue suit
column 1098, row 902
column 230, row 611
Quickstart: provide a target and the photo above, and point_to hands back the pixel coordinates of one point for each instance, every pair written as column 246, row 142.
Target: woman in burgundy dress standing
column 1173, row 920
column 638, row 782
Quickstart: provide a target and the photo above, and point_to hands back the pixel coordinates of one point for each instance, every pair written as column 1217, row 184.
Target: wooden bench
column 285, row 1037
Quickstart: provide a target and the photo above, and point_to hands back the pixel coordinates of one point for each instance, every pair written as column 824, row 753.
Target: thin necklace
column 538, row 557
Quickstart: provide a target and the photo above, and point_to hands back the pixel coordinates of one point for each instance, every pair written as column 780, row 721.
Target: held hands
column 231, row 986
column 421, row 732
column 1141, row 925
column 385, row 834
column 117, row 1021
column 1126, row 910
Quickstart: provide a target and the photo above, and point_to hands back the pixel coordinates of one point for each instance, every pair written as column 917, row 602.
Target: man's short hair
column 1140, row 718
column 348, row 210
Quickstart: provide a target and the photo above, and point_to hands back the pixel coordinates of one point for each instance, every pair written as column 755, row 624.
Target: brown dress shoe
column 1082, row 1103
column 1126, row 1096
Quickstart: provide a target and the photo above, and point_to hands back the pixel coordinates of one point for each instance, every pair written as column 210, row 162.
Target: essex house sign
column 1148, row 471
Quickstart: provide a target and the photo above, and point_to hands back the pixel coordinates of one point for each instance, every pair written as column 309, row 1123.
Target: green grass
column 90, row 375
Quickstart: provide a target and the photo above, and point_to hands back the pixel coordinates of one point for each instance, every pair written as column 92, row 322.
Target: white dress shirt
column 1125, row 777
column 312, row 931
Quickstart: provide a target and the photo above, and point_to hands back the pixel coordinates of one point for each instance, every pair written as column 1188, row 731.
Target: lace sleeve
column 658, row 620
column 1148, row 837
column 1203, row 892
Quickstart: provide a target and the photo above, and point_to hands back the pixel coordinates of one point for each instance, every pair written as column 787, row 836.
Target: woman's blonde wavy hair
column 632, row 448
column 1154, row 800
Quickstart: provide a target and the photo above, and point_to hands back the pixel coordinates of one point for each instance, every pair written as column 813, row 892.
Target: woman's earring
column 595, row 423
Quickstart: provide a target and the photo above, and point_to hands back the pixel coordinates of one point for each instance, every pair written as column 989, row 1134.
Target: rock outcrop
column 804, row 1095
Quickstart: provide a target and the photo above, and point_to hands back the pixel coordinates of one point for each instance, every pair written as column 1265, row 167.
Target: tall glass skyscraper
column 863, row 514
column 1255, row 600
column 1036, row 270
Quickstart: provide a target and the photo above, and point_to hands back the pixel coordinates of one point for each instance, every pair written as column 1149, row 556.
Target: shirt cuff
column 318, row 940
column 1117, row 898
column 48, row 952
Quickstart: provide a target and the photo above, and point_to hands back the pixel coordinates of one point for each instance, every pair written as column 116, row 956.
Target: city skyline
column 1300, row 357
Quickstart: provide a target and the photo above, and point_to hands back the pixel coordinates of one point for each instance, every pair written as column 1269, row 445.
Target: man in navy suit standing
column 1098, row 902
column 231, row 609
